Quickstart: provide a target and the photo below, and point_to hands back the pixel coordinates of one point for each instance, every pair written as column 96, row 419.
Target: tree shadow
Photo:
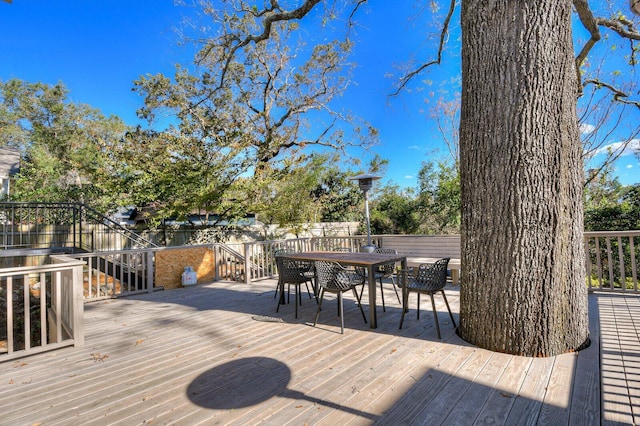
column 248, row 382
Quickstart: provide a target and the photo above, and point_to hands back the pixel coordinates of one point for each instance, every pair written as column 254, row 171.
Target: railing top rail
column 21, row 270
column 267, row 242
column 632, row 233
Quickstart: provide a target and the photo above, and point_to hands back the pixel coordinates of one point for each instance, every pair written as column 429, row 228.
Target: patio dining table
column 370, row 261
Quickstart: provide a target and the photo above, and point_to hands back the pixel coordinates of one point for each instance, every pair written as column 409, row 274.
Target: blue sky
column 97, row 49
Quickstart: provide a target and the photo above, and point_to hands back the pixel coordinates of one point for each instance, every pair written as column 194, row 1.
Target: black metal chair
column 306, row 268
column 426, row 279
column 291, row 273
column 334, row 278
column 384, row 271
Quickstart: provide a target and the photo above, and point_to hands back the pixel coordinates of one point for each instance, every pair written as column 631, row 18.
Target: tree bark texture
column 523, row 285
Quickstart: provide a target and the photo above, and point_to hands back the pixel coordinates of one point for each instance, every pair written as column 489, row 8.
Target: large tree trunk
column 523, row 289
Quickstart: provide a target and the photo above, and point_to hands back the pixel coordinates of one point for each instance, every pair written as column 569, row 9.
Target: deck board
column 218, row 353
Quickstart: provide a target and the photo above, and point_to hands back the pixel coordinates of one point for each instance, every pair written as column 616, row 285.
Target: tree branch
column 618, row 95
column 623, row 27
column 271, row 15
column 443, row 36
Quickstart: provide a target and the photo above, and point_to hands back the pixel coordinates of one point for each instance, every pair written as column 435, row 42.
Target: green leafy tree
column 615, row 209
column 602, row 188
column 313, row 191
column 65, row 146
column 255, row 104
column 439, row 198
column 394, row 212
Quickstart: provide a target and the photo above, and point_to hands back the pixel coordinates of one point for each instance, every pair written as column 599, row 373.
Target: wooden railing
column 259, row 256
column 116, row 273
column 612, row 260
column 41, row 307
column 229, row 264
column 612, row 256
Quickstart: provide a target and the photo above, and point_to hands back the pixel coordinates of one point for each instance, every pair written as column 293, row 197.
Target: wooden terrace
column 219, row 354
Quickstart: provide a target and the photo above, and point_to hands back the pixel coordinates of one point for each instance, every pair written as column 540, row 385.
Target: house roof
column 9, row 162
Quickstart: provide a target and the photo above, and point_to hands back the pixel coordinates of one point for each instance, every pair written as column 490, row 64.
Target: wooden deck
column 218, row 354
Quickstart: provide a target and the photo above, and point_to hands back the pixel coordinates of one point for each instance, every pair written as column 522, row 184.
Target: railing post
column 247, row 263
column 634, row 273
column 150, row 271
column 587, row 253
column 78, row 306
column 216, row 261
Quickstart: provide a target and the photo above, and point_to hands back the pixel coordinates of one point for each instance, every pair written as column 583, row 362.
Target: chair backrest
column 432, row 277
column 332, row 276
column 290, row 271
column 282, row 251
column 389, row 268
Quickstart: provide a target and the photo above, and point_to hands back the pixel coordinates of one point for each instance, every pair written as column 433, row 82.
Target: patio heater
column 365, row 182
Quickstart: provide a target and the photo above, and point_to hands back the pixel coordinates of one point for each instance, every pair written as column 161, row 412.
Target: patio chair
column 384, row 271
column 334, row 278
column 291, row 273
column 306, row 268
column 426, row 279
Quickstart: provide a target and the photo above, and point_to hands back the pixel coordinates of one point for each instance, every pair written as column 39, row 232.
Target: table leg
column 373, row 319
column 405, row 293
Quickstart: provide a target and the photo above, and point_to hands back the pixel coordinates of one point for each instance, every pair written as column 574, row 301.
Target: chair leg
column 405, row 303
column 435, row 315
column 395, row 288
column 448, row 308
column 418, row 313
column 281, row 297
column 355, row 292
column 319, row 307
column 299, row 293
column 341, row 312
column 306, row 283
column 298, row 296
column 382, row 294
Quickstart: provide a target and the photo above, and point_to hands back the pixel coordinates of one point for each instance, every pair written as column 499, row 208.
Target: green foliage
column 64, row 146
column 439, row 198
column 314, row 190
column 620, row 212
column 245, row 121
column 610, row 206
column 394, row 212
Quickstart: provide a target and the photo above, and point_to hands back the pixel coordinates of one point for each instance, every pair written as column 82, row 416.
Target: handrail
column 61, row 226
column 114, row 226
